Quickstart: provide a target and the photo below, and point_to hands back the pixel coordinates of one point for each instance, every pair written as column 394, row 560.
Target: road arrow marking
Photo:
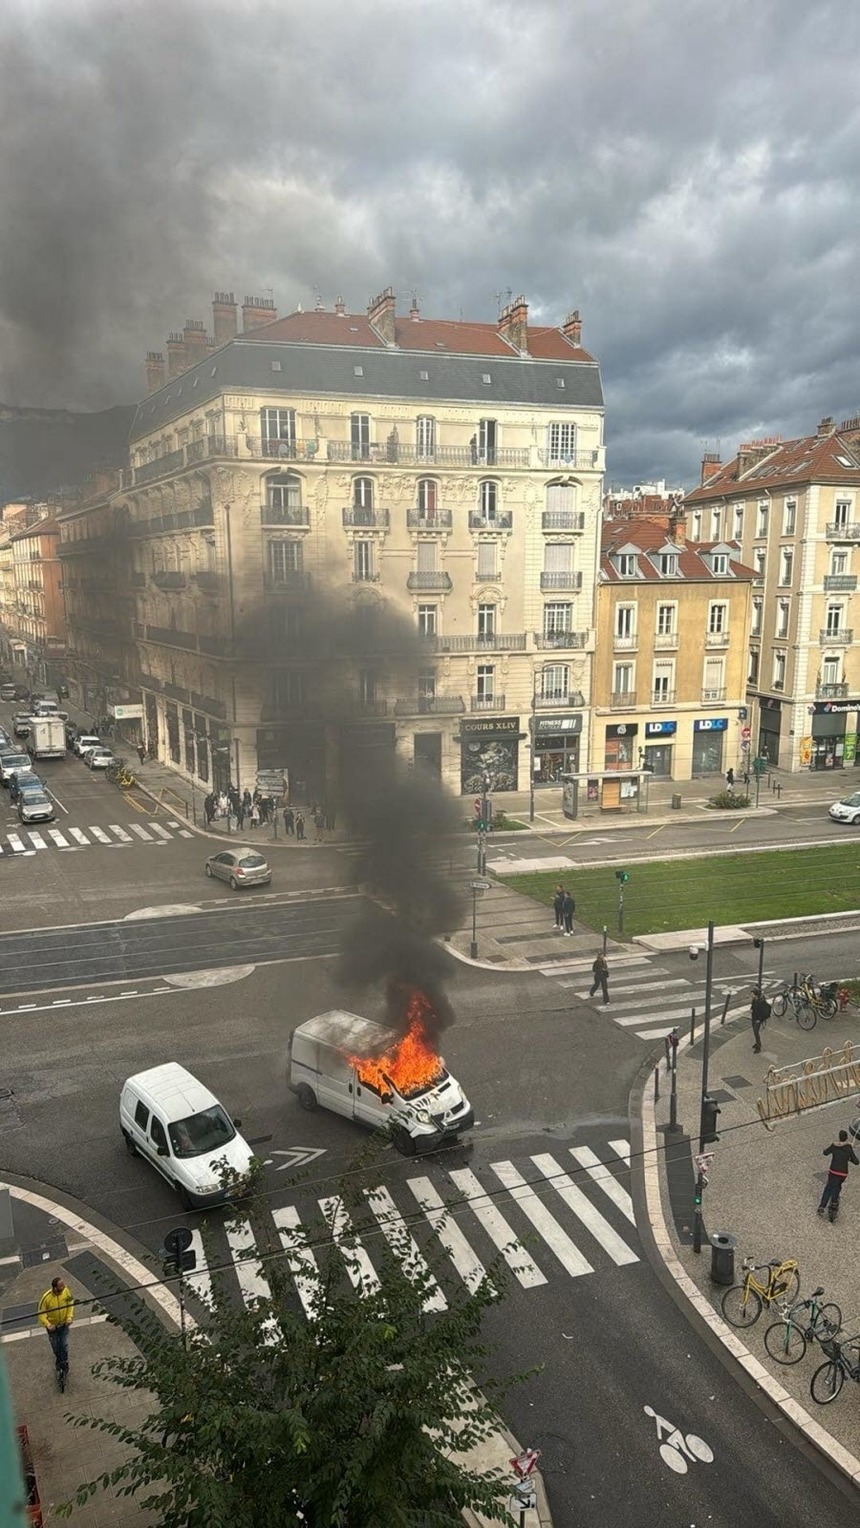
column 299, row 1156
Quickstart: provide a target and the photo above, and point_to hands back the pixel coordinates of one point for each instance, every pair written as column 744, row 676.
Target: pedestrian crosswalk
column 644, row 997
column 567, row 1211
column 112, row 835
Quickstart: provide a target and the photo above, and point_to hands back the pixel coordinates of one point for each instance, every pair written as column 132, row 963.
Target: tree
column 351, row 1419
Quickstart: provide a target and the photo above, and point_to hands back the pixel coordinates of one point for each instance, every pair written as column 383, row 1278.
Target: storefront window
column 620, row 751
column 708, row 748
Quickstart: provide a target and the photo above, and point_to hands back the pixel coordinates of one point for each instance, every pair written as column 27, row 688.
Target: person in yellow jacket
column 56, row 1313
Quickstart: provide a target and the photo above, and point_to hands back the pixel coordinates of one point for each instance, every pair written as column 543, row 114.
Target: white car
column 86, row 740
column 14, row 764
column 846, row 810
column 173, row 1121
column 99, row 758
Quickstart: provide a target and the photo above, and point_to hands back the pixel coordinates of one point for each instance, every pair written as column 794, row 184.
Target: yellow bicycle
column 743, row 1303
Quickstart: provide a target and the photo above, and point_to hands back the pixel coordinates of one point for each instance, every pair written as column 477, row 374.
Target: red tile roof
column 448, row 336
column 812, row 458
column 649, row 536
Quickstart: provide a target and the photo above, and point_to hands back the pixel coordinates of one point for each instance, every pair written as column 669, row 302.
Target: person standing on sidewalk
column 56, row 1313
column 141, row 752
column 568, row 908
column 558, row 906
column 840, row 1152
column 600, row 972
column 759, row 1015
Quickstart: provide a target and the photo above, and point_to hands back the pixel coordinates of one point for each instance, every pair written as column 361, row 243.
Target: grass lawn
column 730, row 888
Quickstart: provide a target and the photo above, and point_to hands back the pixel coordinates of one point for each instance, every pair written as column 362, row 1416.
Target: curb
column 832, row 1452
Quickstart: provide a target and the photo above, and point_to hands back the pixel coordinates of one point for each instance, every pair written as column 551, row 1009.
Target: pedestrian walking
column 263, row 805
column 56, row 1314
column 240, row 812
column 300, row 827
column 558, row 906
column 209, row 808
column 746, row 778
column 141, row 752
column 255, row 815
column 289, row 821
column 759, row 1015
column 730, row 778
column 600, row 972
column 840, row 1152
column 223, row 804
column 319, row 825
column 568, row 908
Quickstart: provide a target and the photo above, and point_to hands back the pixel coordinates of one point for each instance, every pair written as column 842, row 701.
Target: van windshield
column 200, row 1133
column 418, row 1089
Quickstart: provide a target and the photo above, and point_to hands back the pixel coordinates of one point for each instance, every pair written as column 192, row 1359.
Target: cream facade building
column 451, row 472
column 794, row 506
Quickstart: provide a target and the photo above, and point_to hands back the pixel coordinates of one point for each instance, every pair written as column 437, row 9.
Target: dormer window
column 626, row 564
column 720, row 564
column 669, row 564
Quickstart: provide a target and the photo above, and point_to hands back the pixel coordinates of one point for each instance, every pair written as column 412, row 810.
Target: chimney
column 194, row 335
column 826, row 427
column 155, row 370
column 210, row 344
column 753, row 451
column 414, row 311
column 257, row 311
column 339, row 308
column 677, row 520
column 225, row 320
column 572, row 328
column 175, row 355
column 513, row 324
column 380, row 312
column 711, row 465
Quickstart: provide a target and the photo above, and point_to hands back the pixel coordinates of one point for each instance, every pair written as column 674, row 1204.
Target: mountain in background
column 43, row 450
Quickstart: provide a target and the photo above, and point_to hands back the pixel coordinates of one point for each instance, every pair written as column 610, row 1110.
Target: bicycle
column 119, row 774
column 787, row 1339
column 829, row 1377
column 743, row 1303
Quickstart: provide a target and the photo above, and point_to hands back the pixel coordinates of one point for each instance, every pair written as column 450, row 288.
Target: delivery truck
column 47, row 738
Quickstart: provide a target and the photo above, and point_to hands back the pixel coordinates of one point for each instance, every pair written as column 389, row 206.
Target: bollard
column 723, row 1258
column 656, row 1084
column 778, row 789
column 692, row 1026
column 725, row 1010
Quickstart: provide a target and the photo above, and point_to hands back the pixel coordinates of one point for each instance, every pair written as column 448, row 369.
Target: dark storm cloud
column 685, row 173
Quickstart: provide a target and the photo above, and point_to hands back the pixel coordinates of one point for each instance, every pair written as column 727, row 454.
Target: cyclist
column 840, row 1152
column 56, row 1313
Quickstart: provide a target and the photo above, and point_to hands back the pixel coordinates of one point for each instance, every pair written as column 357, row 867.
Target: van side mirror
column 162, row 1151
column 237, row 1124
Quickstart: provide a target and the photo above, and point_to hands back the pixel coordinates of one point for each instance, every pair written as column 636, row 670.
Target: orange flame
column 411, row 1063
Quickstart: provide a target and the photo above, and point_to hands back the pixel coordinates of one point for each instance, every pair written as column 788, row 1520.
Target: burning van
column 358, row 1068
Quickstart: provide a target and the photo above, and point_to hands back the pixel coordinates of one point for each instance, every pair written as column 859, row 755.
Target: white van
column 172, row 1120
column 322, row 1075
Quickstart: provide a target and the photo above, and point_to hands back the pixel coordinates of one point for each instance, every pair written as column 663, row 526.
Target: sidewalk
column 763, row 1190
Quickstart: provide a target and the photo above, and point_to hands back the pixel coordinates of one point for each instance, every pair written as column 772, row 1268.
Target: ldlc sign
column 711, row 724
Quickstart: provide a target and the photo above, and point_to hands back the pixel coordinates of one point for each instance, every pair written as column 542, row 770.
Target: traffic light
column 622, row 876
column 697, row 1194
column 710, row 1110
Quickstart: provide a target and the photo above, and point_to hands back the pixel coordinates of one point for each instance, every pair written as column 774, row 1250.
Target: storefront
column 659, row 746
column 709, row 741
column 556, row 747
column 770, row 728
column 620, row 748
column 833, row 740
column 489, row 746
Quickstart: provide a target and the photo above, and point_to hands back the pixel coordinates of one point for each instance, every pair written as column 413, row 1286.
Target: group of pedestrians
column 258, row 808
column 564, row 908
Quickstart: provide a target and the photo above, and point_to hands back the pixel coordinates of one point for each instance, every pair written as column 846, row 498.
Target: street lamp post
column 706, row 1056
column 532, row 745
column 477, row 889
column 758, row 944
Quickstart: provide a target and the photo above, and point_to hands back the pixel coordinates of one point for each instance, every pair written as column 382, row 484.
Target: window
column 842, row 512
column 486, row 620
column 426, row 555
column 560, row 498
column 719, row 564
column 786, row 565
column 427, row 684
column 753, row 669
column 669, row 564
column 779, row 671
column 622, row 679
column 759, row 559
column 739, row 522
column 557, row 619
column 697, row 525
column 561, row 442
column 761, row 518
column 288, row 690
column 427, row 620
column 486, row 378
column 838, row 563
column 284, row 560
column 158, row 1137
column 359, row 436
column 834, row 620
column 716, row 524
column 663, row 683
column 363, row 567
column 558, row 557
column 666, row 620
column 284, row 492
column 362, row 493
column 367, row 686
column 555, row 682
column 783, row 615
column 486, row 559
column 718, row 618
column 487, row 432
column 428, row 492
column 789, row 517
column 278, row 431
column 141, row 1115
column 626, row 563
column 488, row 499
column 625, row 621
column 486, row 681
column 714, row 681
column 425, row 436
column 358, row 371
column 757, row 606
column 830, row 671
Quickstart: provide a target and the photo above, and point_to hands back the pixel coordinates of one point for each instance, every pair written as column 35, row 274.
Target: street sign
column 178, row 1240
column 479, row 886
column 703, row 1162
column 525, row 1463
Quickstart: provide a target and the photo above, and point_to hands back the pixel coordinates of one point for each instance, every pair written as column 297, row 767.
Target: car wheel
column 855, row 819
column 234, row 883
column 403, row 1141
column 129, row 1144
column 306, row 1097
column 208, row 869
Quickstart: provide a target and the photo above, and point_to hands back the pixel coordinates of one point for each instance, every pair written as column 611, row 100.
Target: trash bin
column 723, row 1258
column 676, row 803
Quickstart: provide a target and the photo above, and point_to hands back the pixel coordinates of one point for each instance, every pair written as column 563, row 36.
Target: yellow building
column 450, row 471
column 795, row 508
column 670, row 660
column 101, row 657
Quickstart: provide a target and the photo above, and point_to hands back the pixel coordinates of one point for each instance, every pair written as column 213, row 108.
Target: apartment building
column 100, row 665
column 670, row 662
column 794, row 506
column 450, row 472
column 36, row 633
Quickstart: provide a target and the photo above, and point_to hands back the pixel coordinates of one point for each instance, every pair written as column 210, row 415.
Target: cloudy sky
column 685, row 173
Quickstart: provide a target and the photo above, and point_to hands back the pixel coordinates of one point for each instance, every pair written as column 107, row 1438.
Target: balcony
column 581, row 461
column 713, row 697
column 356, row 516
column 840, row 583
column 666, row 641
column 487, row 578
column 429, row 519
column 662, row 698
column 842, row 530
column 430, row 705
column 365, row 576
column 285, row 514
column 207, row 581
column 565, row 700
column 287, row 578
column 832, row 691
column 181, row 520
column 556, row 640
column 842, row 636
column 563, row 520
column 623, row 700
column 500, row 642
column 488, row 703
column 172, row 461
column 204, row 449
column 358, row 706
column 569, row 581
column 625, row 644
column 169, row 578
column 430, row 583
column 503, row 520
column 716, row 639
column 289, row 450
column 397, row 453
column 171, row 638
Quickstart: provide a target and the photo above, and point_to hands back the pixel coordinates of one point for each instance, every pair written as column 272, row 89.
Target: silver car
column 35, row 806
column 241, row 867
column 98, row 758
column 14, row 764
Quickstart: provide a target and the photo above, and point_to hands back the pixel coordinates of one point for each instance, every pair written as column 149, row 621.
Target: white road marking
column 544, row 1223
column 497, row 1228
column 121, row 834
column 59, row 839
column 679, row 981
column 362, row 1274
column 79, row 836
column 605, row 1180
column 17, row 845
column 184, row 833
column 200, row 1280
column 37, row 840
column 141, row 832
column 393, row 1228
column 653, row 1034
column 469, row 1267
column 243, row 1246
column 160, row 831
column 100, row 834
column 585, row 1211
column 622, row 1150
column 627, row 1020
column 299, row 1259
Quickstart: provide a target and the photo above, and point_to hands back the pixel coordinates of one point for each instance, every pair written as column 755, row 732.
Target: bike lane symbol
column 675, row 1446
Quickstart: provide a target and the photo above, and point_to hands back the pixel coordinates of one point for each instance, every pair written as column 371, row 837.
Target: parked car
column 846, row 810
column 35, row 806
column 21, row 724
column 14, row 764
column 86, row 740
column 241, row 867
column 21, row 692
column 6, row 743
column 21, row 784
column 173, row 1121
column 99, row 758
column 8, row 691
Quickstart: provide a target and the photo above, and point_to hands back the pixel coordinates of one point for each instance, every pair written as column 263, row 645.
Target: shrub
column 729, row 801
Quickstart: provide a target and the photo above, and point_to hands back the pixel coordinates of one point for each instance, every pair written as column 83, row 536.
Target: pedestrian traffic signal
column 697, row 1192
column 710, row 1110
column 622, row 876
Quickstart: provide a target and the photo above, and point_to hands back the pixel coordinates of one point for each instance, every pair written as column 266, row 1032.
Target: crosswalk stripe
column 141, row 832
column 393, row 1227
column 200, row 1281
column 655, row 997
column 79, row 836
column 627, row 1020
column 300, row 1259
column 37, row 840
column 159, row 831
column 184, row 833
column 100, row 834
column 243, row 1247
column 362, row 1274
column 604, row 1179
column 17, row 845
column 469, row 1267
column 124, row 838
column 627, row 963
column 546, row 1224
column 58, row 838
column 622, row 1150
column 654, row 1034
column 523, row 1267
column 582, row 1207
